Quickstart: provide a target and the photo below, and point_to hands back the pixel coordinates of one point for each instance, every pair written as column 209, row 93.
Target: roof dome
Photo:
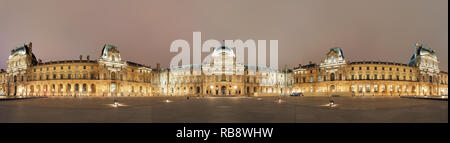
column 108, row 48
column 223, row 49
column 421, row 51
column 23, row 49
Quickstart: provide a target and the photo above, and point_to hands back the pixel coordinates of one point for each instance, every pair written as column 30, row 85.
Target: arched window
column 60, row 88
column 113, row 58
column 113, row 76
column 77, row 87
column 69, row 88
column 84, row 87
column 92, row 88
column 332, row 76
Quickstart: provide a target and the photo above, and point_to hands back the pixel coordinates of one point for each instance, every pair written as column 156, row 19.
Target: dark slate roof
column 106, row 48
column 377, row 62
column 67, row 61
column 420, row 51
column 26, row 50
column 137, row 65
column 338, row 50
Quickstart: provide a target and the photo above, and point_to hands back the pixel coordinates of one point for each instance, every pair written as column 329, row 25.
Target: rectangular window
column 367, row 76
column 353, row 77
column 375, row 77
column 69, row 76
column 61, row 76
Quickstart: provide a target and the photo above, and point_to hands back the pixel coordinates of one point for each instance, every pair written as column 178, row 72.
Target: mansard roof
column 421, row 51
column 106, row 49
column 223, row 49
column 339, row 51
column 24, row 49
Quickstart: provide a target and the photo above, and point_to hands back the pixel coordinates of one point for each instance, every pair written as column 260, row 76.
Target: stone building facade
column 334, row 75
column 223, row 76
column 111, row 75
column 108, row 76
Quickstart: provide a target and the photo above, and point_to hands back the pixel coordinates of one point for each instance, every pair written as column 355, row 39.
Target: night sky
column 143, row 30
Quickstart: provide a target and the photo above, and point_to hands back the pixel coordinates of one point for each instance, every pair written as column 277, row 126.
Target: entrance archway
column 224, row 90
column 333, row 88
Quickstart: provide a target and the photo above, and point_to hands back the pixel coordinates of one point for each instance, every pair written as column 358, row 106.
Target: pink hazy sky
column 384, row 30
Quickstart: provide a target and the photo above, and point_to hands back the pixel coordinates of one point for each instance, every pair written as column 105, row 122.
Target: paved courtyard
column 224, row 110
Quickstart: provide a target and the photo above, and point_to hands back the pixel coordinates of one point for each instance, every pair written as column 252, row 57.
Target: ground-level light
column 116, row 103
column 331, row 103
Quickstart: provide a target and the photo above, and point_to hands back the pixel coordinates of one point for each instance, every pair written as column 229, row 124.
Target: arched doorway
column 224, row 90
column 333, row 88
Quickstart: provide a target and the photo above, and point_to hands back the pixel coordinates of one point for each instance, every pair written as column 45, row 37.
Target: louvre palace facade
column 111, row 75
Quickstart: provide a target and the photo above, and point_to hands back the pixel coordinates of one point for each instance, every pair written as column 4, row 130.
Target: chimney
column 88, row 57
column 81, row 57
column 158, row 66
column 3, row 70
column 310, row 62
column 40, row 61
